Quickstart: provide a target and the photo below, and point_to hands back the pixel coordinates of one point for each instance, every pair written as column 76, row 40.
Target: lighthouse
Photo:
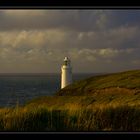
column 66, row 73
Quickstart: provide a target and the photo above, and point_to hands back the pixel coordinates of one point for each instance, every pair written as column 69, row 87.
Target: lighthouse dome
column 66, row 61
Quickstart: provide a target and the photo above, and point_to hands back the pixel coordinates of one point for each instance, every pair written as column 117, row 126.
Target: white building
column 66, row 73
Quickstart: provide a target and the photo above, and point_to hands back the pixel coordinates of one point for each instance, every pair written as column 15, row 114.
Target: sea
column 18, row 89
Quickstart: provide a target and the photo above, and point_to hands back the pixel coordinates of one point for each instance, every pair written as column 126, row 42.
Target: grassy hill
column 102, row 103
column 112, row 89
column 123, row 82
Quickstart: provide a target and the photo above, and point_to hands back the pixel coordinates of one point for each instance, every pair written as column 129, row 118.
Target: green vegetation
column 122, row 82
column 41, row 118
column 103, row 103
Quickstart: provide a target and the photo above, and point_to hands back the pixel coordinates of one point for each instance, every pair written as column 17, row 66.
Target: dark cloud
column 81, row 20
column 124, row 18
column 85, row 20
column 95, row 40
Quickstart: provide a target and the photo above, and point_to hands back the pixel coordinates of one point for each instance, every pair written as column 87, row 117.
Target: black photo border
column 69, row 4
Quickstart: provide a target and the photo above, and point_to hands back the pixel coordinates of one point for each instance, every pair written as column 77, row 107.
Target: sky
column 36, row 41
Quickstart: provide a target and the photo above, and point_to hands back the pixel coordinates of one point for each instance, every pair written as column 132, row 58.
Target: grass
column 68, row 102
column 101, row 103
column 118, row 118
column 129, row 81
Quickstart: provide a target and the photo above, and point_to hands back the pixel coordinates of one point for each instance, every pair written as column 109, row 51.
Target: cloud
column 43, row 19
column 108, row 52
column 78, row 20
column 136, row 62
column 23, row 13
column 124, row 17
column 95, row 40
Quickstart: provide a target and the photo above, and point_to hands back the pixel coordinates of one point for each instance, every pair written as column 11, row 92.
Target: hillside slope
column 124, row 82
column 101, row 103
column 112, row 89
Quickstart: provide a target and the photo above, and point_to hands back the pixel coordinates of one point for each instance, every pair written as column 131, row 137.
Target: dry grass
column 99, row 118
column 126, row 82
column 112, row 103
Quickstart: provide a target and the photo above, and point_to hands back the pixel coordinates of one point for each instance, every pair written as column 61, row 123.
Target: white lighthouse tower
column 66, row 73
